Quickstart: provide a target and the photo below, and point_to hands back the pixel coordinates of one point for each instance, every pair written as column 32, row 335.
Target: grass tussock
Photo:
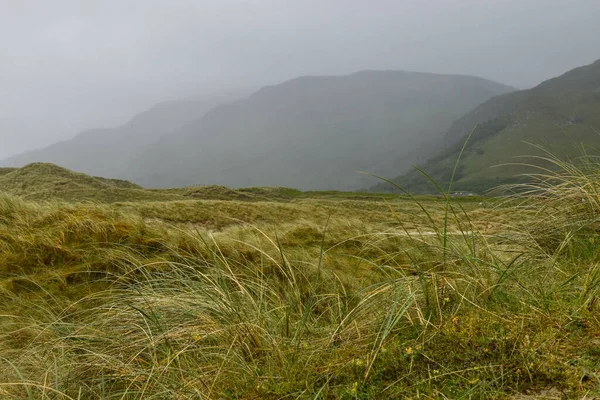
column 303, row 298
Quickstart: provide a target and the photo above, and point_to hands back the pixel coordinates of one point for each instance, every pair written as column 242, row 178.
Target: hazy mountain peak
column 312, row 132
column 315, row 132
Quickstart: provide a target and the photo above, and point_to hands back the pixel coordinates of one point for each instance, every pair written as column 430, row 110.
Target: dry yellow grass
column 302, row 298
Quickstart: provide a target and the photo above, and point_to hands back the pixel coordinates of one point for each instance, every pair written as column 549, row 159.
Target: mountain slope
column 559, row 114
column 315, row 132
column 107, row 152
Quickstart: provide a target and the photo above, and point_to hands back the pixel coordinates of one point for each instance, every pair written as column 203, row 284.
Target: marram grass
column 304, row 299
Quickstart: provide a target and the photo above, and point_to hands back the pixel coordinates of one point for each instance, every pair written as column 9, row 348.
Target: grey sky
column 66, row 65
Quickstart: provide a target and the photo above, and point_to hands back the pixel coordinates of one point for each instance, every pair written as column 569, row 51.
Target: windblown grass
column 298, row 298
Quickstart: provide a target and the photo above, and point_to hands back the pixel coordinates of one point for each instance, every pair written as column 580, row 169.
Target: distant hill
column 49, row 182
column 44, row 181
column 108, row 152
column 558, row 114
column 315, row 132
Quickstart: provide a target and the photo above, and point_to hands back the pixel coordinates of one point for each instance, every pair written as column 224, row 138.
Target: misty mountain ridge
column 311, row 132
column 108, row 151
column 559, row 114
column 315, row 132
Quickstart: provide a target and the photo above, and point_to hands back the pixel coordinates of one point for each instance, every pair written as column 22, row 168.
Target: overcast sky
column 66, row 65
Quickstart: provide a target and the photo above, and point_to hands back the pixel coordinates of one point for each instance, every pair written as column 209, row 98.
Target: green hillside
column 560, row 115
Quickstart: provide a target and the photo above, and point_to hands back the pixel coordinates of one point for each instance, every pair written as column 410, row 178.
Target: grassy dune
column 299, row 295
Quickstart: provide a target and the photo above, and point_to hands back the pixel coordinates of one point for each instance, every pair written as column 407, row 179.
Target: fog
column 67, row 65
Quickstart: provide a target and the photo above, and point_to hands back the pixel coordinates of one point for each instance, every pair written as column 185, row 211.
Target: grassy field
column 211, row 293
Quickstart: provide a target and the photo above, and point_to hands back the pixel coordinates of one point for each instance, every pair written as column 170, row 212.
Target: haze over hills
column 309, row 133
column 559, row 114
column 315, row 132
column 107, row 152
column 15, row 128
